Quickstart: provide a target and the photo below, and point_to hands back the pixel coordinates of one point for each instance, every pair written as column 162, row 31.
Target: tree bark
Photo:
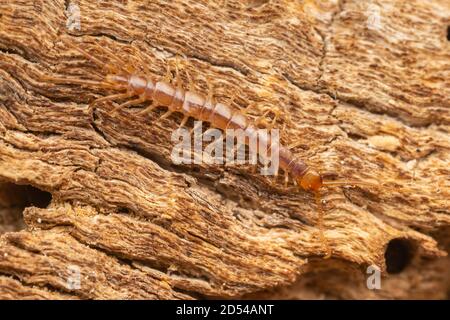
column 360, row 89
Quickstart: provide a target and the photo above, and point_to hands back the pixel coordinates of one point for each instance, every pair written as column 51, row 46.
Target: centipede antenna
column 323, row 239
column 86, row 54
column 66, row 80
column 338, row 183
column 124, row 66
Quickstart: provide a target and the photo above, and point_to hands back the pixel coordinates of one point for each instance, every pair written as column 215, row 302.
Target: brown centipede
column 193, row 105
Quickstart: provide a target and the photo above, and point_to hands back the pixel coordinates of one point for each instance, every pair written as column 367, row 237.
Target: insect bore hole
column 398, row 255
column 448, row 33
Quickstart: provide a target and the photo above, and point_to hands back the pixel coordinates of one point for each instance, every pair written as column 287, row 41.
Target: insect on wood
column 140, row 88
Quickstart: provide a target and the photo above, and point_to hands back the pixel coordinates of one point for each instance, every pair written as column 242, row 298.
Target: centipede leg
column 179, row 87
column 261, row 118
column 264, row 115
column 166, row 114
column 272, row 181
column 177, row 74
column 191, row 85
column 149, row 109
column 125, row 66
column 168, row 77
column 110, row 98
column 198, row 124
column 274, row 121
column 275, row 176
column 232, row 102
column 183, row 122
column 210, row 91
column 139, row 100
column 286, row 178
column 250, row 106
column 294, row 145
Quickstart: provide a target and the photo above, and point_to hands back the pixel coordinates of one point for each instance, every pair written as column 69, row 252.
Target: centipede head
column 311, row 181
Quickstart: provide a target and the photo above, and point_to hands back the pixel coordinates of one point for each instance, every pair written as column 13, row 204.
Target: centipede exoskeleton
column 142, row 87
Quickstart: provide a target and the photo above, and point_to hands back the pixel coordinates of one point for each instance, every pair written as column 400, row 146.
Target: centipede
column 141, row 87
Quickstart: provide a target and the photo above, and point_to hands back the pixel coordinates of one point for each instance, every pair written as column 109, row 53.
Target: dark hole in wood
column 123, row 210
column 398, row 255
column 13, row 195
column 448, row 33
column 14, row 199
column 38, row 198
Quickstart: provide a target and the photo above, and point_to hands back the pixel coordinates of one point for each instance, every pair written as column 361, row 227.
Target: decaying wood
column 361, row 96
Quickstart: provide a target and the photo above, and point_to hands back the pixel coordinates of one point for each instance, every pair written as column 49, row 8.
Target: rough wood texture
column 361, row 97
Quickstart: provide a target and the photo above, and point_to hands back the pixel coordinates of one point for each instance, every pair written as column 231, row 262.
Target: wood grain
column 361, row 97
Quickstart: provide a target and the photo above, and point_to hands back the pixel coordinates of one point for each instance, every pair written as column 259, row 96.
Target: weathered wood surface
column 363, row 95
